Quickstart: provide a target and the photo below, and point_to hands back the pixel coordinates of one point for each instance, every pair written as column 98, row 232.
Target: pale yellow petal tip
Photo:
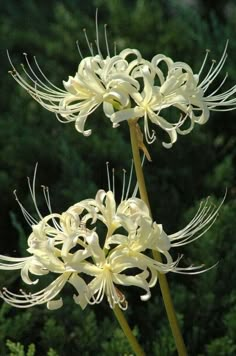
column 55, row 304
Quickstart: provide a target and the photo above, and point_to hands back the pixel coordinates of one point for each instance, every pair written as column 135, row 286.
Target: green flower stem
column 179, row 342
column 128, row 332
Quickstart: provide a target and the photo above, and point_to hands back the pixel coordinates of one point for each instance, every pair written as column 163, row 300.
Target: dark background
column 199, row 164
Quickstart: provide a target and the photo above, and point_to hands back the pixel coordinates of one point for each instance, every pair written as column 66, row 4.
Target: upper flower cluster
column 130, row 87
column 97, row 246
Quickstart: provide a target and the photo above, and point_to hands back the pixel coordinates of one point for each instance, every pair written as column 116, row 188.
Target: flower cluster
column 97, row 246
column 130, row 87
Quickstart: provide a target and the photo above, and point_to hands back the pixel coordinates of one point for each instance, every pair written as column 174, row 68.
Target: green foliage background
column 200, row 164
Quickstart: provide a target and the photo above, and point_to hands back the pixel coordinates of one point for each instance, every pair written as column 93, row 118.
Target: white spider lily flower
column 180, row 88
column 63, row 245
column 151, row 236
column 148, row 235
column 47, row 256
column 134, row 249
column 25, row 265
column 149, row 104
column 58, row 233
column 46, row 295
column 50, row 243
column 130, row 87
column 107, row 273
column 97, row 81
column 54, row 235
column 105, row 208
column 94, row 262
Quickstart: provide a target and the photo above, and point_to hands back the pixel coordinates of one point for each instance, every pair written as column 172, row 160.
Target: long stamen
column 87, row 40
column 47, row 197
column 221, row 84
column 44, row 76
column 202, row 221
column 113, row 181
column 79, row 50
column 33, row 193
column 29, row 218
column 150, row 138
column 108, row 176
column 97, row 34
column 48, row 202
column 212, row 75
column 208, row 74
column 47, row 91
column 204, row 61
column 35, row 79
column 106, row 40
column 91, row 46
column 123, row 185
column 221, row 62
column 31, row 69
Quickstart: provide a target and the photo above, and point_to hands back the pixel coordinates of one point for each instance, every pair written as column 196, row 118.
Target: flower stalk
column 128, row 332
column 179, row 342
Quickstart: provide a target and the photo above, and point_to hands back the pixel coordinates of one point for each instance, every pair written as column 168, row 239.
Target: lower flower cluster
column 99, row 246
